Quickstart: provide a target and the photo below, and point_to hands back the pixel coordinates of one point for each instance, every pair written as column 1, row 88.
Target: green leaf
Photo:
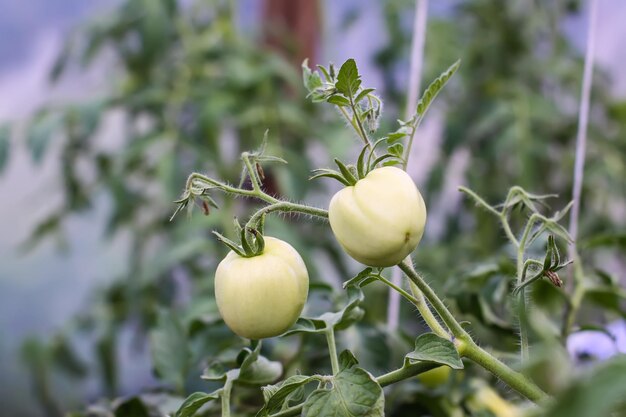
column 396, row 150
column 608, row 298
column 340, row 101
column 434, row 88
column 395, row 137
column 132, row 407
column 596, row 395
column 258, row 370
column 431, row 348
column 361, row 276
column 193, row 403
column 5, row 136
column 617, row 240
column 354, row 393
column 305, row 325
column 339, row 320
column 276, row 395
column 39, row 132
column 363, row 94
column 170, row 350
column 348, row 79
column 312, row 80
column 347, row 360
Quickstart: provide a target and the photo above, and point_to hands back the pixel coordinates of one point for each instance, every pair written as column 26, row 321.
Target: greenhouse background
column 88, row 256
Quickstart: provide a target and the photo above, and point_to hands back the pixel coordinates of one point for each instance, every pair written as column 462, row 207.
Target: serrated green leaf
column 305, row 325
column 394, row 137
column 347, row 360
column 259, row 371
column 193, row 403
column 338, row 100
column 276, row 395
column 356, row 280
column 312, row 80
column 431, row 348
column 396, row 150
column 354, row 393
column 434, row 88
column 348, row 79
column 339, row 320
column 363, row 94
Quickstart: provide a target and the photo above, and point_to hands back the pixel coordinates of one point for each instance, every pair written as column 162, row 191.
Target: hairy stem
column 435, row 301
column 424, row 309
column 515, row 380
column 521, row 307
column 470, row 349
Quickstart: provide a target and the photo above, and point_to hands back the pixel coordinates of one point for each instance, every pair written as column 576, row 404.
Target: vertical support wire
column 415, row 77
column 583, row 119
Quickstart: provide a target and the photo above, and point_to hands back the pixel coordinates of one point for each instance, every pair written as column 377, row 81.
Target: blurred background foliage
column 193, row 90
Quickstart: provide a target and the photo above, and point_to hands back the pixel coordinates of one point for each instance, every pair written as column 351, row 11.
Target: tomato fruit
column 435, row 377
column 262, row 296
column 486, row 398
column 379, row 220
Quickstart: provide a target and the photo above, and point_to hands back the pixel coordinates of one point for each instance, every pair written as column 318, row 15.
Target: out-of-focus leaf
column 276, row 395
column 597, row 394
column 609, row 298
column 5, row 142
column 39, row 133
column 617, row 240
column 132, row 407
column 193, row 403
column 170, row 349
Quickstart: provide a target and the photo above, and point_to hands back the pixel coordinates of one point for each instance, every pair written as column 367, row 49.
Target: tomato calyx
column 367, row 161
column 249, row 247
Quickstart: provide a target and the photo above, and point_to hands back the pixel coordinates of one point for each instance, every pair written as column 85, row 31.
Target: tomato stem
column 332, row 349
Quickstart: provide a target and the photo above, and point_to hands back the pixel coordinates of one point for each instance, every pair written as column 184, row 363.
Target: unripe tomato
column 262, row 296
column 379, row 220
column 435, row 377
column 486, row 398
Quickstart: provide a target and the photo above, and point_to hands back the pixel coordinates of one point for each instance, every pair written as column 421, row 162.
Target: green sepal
column 258, row 239
column 360, row 164
column 330, row 173
column 230, row 244
column 383, row 158
column 345, row 172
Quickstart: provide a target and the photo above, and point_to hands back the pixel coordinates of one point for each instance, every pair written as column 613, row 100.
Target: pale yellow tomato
column 486, row 398
column 262, row 296
column 379, row 220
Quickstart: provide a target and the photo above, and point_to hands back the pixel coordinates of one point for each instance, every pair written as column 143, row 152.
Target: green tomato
column 379, row 220
column 435, row 377
column 262, row 296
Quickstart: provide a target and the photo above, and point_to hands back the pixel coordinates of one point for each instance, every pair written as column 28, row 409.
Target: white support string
column 415, row 76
